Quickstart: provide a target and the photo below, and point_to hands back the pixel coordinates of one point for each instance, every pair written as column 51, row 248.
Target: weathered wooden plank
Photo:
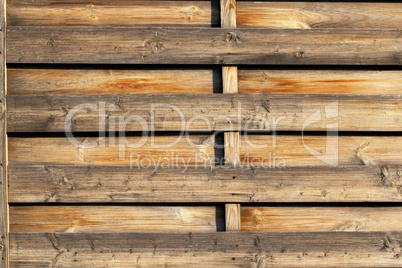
column 202, row 46
column 208, row 112
column 229, row 79
column 241, row 249
column 230, row 86
column 4, row 226
column 232, row 217
column 228, row 13
column 320, row 82
column 321, row 219
column 111, row 13
column 168, row 151
column 286, row 151
column 111, row 219
column 232, row 148
column 24, row 81
column 289, row 14
column 228, row 21
column 65, row 184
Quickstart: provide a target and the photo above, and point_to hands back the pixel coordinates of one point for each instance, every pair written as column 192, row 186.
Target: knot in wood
column 299, row 54
column 155, row 47
column 232, row 37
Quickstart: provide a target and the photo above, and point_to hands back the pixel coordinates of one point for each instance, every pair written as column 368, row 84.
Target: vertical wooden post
column 3, row 144
column 230, row 86
column 228, row 20
column 232, row 217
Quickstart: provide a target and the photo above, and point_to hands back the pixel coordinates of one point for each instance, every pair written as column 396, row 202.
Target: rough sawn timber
column 207, row 112
column 222, row 249
column 105, row 45
column 100, row 184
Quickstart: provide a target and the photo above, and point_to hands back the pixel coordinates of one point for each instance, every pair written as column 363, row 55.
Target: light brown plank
column 228, row 21
column 357, row 249
column 96, row 184
column 286, row 151
column 107, row 45
column 232, row 149
column 320, row 82
column 95, row 81
column 229, row 79
column 111, row 13
column 4, row 219
column 228, row 13
column 169, row 151
column 233, row 217
column 206, row 112
column 111, row 219
column 231, row 139
column 321, row 219
column 319, row 15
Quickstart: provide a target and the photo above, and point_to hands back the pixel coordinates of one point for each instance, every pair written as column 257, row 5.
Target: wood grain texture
column 242, row 249
column 231, row 139
column 202, row 46
column 319, row 15
column 97, row 184
column 169, row 151
column 287, row 151
column 321, row 219
column 232, row 148
column 207, row 112
column 228, row 13
column 232, row 217
column 230, row 79
column 4, row 223
column 320, row 82
column 111, row 13
column 111, row 219
column 24, row 81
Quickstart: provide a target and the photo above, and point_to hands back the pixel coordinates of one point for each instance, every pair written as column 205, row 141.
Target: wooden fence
column 201, row 133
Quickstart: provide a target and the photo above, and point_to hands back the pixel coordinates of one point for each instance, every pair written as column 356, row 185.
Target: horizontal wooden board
column 111, row 13
column 287, row 14
column 319, row 82
column 85, row 184
column 206, row 112
column 169, row 151
column 321, row 219
column 287, row 151
column 110, row 219
column 240, row 249
column 48, row 44
column 24, row 81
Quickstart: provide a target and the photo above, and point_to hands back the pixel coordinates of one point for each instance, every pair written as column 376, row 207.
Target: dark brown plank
column 202, row 46
column 111, row 13
column 228, row 112
column 66, row 184
column 24, row 81
column 288, row 14
column 377, row 249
